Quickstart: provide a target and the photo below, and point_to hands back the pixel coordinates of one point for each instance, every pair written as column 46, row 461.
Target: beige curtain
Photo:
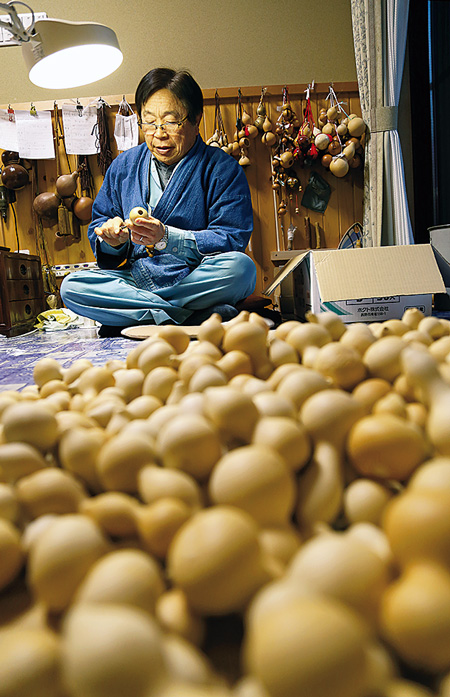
column 379, row 32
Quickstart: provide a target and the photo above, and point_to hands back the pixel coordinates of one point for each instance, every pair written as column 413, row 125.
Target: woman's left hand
column 146, row 231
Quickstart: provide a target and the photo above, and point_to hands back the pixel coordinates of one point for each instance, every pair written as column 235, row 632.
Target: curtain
column 379, row 32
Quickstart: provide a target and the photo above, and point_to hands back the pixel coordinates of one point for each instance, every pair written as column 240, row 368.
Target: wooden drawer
column 22, row 311
column 24, row 290
column 18, row 267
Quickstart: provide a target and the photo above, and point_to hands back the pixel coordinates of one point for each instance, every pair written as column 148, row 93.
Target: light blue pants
column 111, row 296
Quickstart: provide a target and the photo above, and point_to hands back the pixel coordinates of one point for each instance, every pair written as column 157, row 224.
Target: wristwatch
column 162, row 244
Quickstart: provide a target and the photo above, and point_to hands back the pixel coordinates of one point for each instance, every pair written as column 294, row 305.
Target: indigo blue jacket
column 207, row 200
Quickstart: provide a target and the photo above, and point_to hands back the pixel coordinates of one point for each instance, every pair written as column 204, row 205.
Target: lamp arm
column 15, row 26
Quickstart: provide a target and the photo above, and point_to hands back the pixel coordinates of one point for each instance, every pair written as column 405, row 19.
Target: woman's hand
column 114, row 232
column 147, row 231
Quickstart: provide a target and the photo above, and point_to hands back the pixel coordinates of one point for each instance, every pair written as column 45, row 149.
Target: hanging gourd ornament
column 66, row 184
column 326, row 160
column 214, row 140
column 219, row 139
column 329, row 128
column 292, row 182
column 251, row 131
column 356, row 126
column 268, row 138
column 322, row 117
column 82, row 208
column 45, row 205
column 240, row 134
column 261, row 111
column 334, row 147
column 322, row 141
column 332, row 113
column 355, row 162
column 14, row 175
column 358, row 147
column 244, row 159
column 339, row 166
column 349, row 151
column 227, row 147
column 235, row 146
column 267, row 125
column 286, row 159
column 282, row 209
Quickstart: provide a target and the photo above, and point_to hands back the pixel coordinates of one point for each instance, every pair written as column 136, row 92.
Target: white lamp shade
column 64, row 54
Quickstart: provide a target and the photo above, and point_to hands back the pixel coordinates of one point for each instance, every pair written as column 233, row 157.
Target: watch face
column 162, row 244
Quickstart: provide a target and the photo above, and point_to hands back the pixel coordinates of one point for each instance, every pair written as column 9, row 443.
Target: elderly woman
column 185, row 257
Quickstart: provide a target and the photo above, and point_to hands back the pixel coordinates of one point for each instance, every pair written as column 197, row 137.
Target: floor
column 19, row 354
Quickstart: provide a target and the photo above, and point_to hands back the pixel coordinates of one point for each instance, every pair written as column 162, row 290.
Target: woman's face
column 164, row 107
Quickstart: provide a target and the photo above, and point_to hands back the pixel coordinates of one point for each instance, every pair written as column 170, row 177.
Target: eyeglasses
column 166, row 126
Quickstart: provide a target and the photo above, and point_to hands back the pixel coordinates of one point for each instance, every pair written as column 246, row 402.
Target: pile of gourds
column 294, row 482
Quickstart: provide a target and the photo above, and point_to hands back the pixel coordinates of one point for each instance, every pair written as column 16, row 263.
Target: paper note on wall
column 8, row 133
column 35, row 135
column 126, row 132
column 80, row 129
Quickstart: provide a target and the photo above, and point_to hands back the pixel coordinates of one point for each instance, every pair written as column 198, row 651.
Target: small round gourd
column 138, row 212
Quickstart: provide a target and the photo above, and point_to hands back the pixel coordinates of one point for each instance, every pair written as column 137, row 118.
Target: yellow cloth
column 56, row 319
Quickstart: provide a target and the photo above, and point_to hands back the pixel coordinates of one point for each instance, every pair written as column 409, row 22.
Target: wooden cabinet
column 21, row 292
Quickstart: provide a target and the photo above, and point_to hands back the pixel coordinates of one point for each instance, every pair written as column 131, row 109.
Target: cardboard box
column 440, row 242
column 368, row 284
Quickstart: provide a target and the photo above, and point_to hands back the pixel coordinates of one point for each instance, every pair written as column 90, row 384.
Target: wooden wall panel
column 344, row 207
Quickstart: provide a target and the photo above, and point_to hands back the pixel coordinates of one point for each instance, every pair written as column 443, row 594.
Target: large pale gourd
column 301, row 383
column 216, row 560
column 232, row 412
column 342, row 567
column 159, row 522
column 29, row 663
column 19, row 460
column 113, row 511
column 110, row 651
column 417, row 525
column 174, row 615
column 327, row 415
column 256, row 479
column 125, row 576
column 421, row 369
column 11, row 553
column 32, row 423
column 120, row 460
column 365, row 501
column 386, row 446
column 50, row 490
column 288, row 437
column 250, row 337
column 415, row 617
column 311, row 646
column 191, row 444
column 342, row 364
column 9, row 506
column 383, row 358
column 61, row 557
column 161, row 482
